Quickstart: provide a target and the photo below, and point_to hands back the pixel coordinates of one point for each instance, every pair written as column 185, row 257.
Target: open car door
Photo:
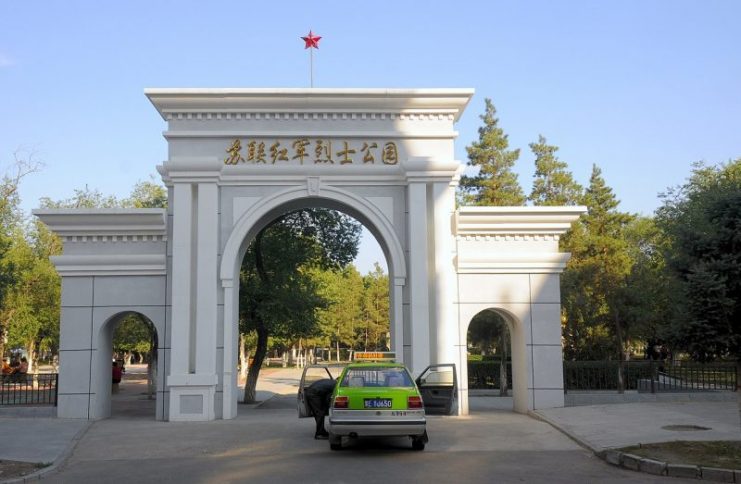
column 438, row 387
column 311, row 374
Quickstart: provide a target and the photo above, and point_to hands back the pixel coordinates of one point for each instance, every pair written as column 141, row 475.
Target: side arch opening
column 127, row 378
column 495, row 367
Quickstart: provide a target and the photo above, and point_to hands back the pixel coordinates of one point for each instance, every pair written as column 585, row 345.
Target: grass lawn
column 725, row 454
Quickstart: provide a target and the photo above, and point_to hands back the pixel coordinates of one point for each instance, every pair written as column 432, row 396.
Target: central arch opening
column 303, row 300
column 260, row 215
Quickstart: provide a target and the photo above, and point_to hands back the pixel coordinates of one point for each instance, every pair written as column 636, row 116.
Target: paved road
column 267, row 443
column 271, row 445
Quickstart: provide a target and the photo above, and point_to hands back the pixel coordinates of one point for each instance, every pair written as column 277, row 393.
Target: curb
column 57, row 464
column 649, row 466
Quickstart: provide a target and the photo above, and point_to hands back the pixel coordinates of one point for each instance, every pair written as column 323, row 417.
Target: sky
column 641, row 88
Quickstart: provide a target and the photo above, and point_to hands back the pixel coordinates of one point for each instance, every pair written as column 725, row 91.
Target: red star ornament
column 312, row 41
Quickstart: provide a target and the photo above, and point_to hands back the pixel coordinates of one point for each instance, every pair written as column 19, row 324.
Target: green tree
column 32, row 306
column 553, row 184
column 375, row 309
column 11, row 221
column 702, row 222
column 278, row 296
column 646, row 292
column 82, row 198
column 598, row 269
column 147, row 194
column 343, row 291
column 495, row 183
column 134, row 335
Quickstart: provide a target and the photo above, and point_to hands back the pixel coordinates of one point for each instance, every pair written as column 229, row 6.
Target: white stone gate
column 238, row 158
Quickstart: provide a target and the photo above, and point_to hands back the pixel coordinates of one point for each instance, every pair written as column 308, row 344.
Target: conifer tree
column 553, row 184
column 496, row 183
column 594, row 281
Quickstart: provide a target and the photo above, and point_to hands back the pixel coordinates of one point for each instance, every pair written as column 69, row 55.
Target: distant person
column 318, row 396
column 7, row 370
column 23, row 367
column 117, row 373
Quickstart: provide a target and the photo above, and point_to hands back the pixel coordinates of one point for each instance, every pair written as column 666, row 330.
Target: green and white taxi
column 376, row 397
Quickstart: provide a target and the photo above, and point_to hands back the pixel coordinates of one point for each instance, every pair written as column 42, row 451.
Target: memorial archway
column 236, row 159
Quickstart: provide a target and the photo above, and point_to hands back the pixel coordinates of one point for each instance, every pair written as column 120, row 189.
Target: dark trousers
column 319, row 406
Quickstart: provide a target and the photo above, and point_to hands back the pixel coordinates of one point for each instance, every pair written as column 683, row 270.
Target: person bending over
column 318, row 396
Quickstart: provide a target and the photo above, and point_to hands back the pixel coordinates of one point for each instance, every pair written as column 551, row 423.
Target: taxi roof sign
column 374, row 356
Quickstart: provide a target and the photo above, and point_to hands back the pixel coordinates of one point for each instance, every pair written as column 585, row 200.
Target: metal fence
column 29, row 389
column 650, row 376
column 643, row 376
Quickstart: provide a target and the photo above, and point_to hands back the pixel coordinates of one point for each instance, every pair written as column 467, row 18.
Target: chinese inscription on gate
column 311, row 151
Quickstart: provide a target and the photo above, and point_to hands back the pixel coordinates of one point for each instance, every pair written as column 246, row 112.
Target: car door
column 438, row 387
column 311, row 374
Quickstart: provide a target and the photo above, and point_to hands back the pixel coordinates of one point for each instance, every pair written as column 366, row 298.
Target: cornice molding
column 111, row 265
column 306, row 115
column 509, row 237
column 313, row 101
column 131, row 222
column 516, row 221
column 512, row 263
column 113, row 238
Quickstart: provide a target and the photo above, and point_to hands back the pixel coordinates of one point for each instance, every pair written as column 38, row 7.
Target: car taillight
column 414, row 402
column 340, row 402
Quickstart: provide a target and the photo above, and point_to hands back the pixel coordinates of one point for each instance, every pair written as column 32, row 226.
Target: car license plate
column 377, row 403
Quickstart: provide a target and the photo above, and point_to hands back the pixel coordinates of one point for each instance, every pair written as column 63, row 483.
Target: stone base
column 192, row 397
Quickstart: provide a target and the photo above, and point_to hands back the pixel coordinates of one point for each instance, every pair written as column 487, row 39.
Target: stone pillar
column 192, row 378
column 419, row 278
column 397, row 321
column 444, row 273
column 231, row 339
column 180, row 363
column 207, row 233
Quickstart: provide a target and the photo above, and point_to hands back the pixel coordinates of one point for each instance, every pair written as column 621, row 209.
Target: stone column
column 192, row 377
column 444, row 273
column 206, row 290
column 397, row 326
column 180, row 363
column 419, row 278
column 231, row 338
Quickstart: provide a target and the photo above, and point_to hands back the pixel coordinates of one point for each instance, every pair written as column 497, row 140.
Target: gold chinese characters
column 311, row 151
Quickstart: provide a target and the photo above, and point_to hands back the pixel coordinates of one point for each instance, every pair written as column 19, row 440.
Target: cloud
column 5, row 61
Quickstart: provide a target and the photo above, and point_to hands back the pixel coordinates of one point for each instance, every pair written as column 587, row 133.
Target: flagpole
column 312, row 42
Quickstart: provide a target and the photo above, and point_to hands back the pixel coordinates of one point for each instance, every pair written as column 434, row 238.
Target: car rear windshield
column 376, row 377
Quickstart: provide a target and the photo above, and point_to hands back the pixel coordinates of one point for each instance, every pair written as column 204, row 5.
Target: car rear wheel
column 335, row 442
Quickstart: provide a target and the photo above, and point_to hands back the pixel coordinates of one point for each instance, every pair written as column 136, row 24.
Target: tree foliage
column 553, row 184
column 488, row 334
column 702, row 223
column 278, row 296
column 12, row 229
column 373, row 334
column 133, row 334
column 495, row 183
column 598, row 270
